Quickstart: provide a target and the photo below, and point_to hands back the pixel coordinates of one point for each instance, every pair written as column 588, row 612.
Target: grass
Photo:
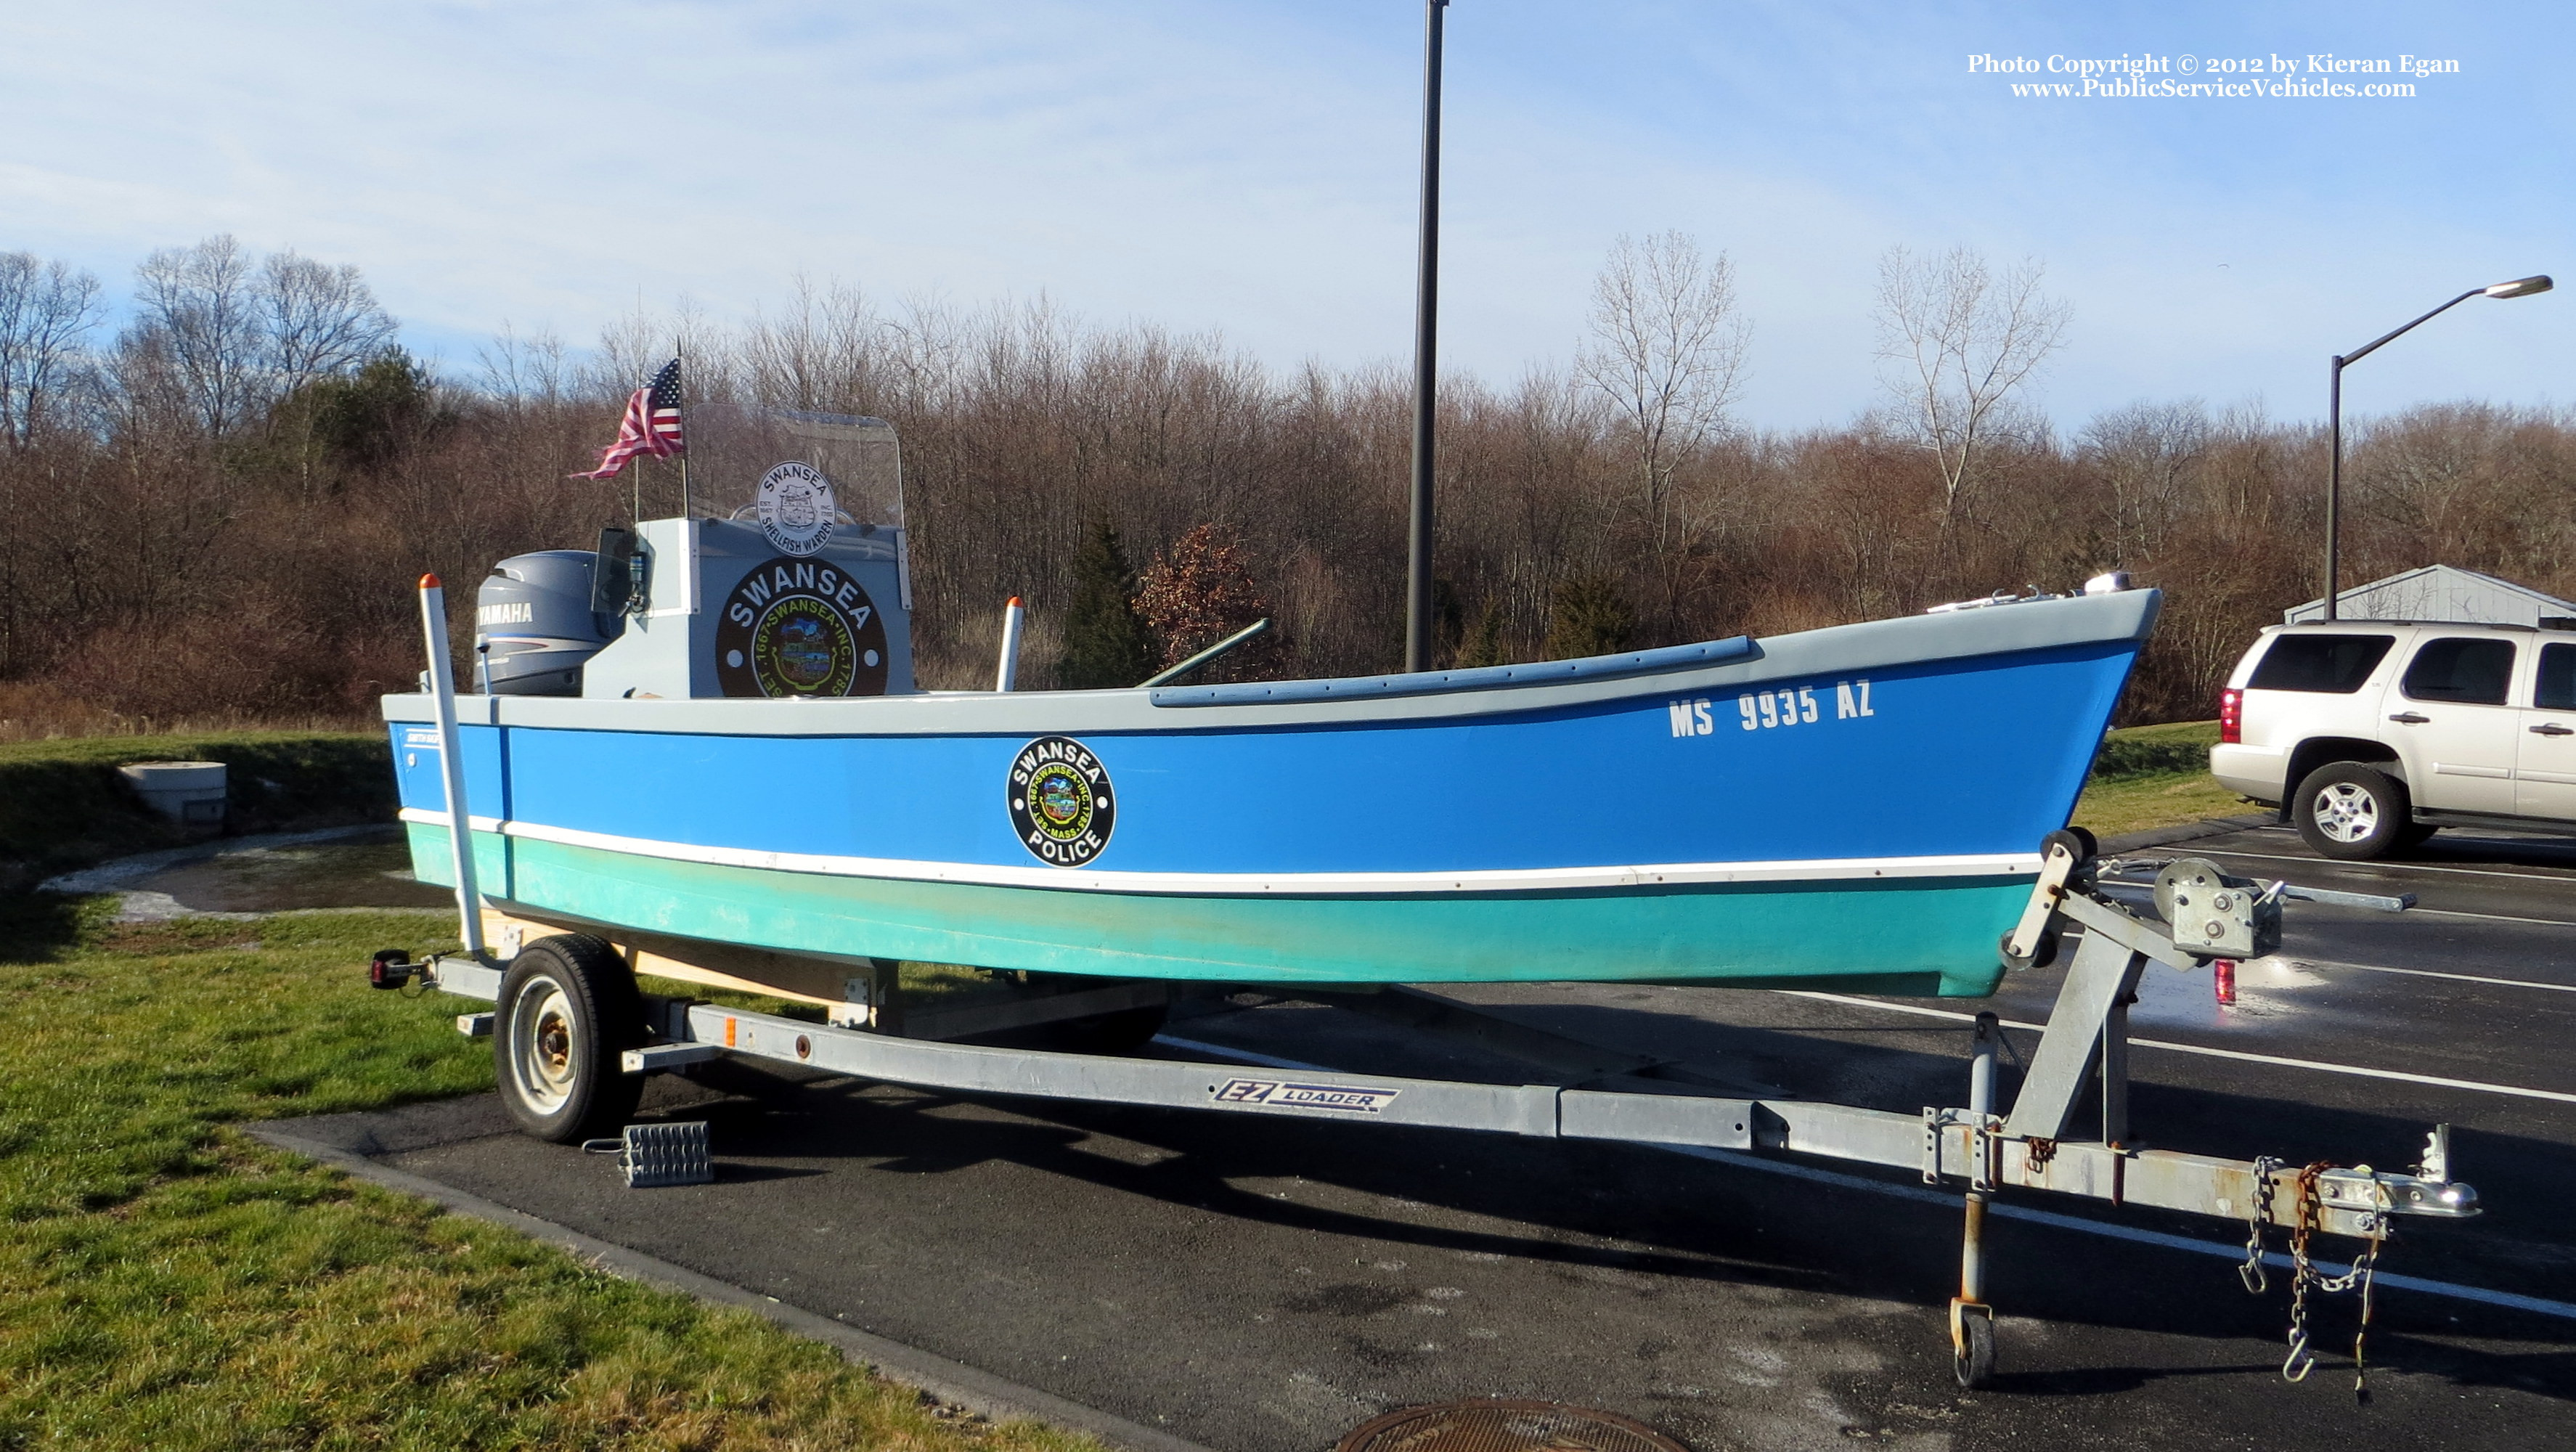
column 2155, row 776
column 63, row 805
column 167, row 1282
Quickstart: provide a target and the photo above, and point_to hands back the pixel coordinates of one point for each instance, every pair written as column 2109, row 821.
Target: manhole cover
column 1505, row 1426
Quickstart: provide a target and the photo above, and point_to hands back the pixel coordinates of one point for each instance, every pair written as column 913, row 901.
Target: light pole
column 2519, row 287
column 1426, row 366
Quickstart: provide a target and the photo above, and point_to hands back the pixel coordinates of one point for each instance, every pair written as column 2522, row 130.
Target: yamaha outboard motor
column 533, row 613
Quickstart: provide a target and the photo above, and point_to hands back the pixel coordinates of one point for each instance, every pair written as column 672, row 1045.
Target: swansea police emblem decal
column 1060, row 801
column 800, row 628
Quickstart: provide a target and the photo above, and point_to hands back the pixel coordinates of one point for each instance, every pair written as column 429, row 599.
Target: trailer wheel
column 1973, row 1359
column 568, row 1009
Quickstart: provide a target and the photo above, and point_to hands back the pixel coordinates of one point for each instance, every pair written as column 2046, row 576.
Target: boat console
column 803, row 592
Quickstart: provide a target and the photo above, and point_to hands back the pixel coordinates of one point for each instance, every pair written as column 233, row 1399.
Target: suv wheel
column 2351, row 812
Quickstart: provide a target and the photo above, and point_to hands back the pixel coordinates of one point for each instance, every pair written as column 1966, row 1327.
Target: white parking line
column 2319, row 1065
column 2432, row 973
column 2495, row 917
column 2007, row 1211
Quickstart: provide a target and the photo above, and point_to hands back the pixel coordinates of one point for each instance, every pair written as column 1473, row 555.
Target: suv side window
column 2557, row 690
column 2462, row 669
column 2336, row 663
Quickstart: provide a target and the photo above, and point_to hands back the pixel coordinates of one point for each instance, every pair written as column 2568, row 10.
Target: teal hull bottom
column 1924, row 936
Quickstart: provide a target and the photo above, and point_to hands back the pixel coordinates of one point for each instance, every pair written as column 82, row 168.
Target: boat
column 696, row 753
column 747, row 768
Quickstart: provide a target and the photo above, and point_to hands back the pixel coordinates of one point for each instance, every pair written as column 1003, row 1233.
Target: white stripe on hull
column 1297, row 884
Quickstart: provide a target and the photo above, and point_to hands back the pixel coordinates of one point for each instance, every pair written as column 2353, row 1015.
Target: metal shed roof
column 2440, row 592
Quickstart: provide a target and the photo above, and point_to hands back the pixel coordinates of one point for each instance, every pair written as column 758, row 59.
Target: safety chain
column 2304, row 1277
column 2257, row 1280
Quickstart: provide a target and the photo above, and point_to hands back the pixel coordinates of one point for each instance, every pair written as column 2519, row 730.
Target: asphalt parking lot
column 1264, row 1285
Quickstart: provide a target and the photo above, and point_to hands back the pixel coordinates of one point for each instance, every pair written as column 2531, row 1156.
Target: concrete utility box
column 190, row 793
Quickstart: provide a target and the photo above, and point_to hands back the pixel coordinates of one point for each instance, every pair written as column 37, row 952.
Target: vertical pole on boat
column 1971, row 1320
column 1006, row 676
column 682, row 378
column 451, row 766
column 1426, row 316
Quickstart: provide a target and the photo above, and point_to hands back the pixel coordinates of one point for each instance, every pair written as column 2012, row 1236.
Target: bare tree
column 238, row 335
column 2147, row 453
column 1962, row 340
column 1667, row 350
column 523, row 372
column 150, row 569
column 45, row 310
column 199, row 306
column 320, row 320
column 820, row 352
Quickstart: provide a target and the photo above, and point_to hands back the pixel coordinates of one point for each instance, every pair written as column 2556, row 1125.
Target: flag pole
column 683, row 379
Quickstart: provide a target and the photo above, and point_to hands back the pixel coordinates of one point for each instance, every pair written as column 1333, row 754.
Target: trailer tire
column 1973, row 1360
column 568, row 1011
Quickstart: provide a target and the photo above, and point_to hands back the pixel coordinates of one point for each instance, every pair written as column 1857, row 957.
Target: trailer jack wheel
column 567, row 1012
column 1972, row 1344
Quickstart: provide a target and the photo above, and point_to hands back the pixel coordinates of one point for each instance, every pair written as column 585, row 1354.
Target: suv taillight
column 2231, row 717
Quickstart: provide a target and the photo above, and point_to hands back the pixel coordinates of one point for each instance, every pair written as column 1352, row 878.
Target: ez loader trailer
column 571, row 1033
column 572, row 1036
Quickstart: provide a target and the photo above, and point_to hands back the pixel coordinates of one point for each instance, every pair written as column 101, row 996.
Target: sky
column 1249, row 167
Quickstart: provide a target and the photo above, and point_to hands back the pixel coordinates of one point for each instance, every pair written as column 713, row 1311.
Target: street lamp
column 2519, row 287
column 1426, row 360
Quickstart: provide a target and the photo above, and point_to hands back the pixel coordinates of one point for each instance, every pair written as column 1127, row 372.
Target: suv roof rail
column 2554, row 622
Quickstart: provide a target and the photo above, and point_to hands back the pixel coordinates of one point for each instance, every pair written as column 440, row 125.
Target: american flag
column 651, row 425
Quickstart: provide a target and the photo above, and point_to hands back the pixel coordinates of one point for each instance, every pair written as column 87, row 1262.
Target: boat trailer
column 569, row 1021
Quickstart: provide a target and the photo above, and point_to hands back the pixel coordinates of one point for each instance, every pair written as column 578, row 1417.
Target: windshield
column 731, row 446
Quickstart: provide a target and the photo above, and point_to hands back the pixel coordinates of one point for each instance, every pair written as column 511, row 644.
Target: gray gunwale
column 1835, row 651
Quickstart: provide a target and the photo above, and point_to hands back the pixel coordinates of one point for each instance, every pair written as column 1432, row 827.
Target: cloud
column 1250, row 168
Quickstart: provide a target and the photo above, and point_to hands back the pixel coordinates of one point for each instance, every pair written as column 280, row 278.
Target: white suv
column 2372, row 734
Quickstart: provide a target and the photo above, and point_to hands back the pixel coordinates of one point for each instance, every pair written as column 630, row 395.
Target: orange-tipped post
column 440, row 683
column 1006, row 675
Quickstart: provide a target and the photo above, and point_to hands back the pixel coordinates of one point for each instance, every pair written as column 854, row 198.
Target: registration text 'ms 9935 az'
column 1769, row 710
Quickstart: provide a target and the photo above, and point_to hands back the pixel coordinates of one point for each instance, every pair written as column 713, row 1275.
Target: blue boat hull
column 1860, row 807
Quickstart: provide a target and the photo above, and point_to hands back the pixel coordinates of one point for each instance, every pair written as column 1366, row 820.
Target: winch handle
column 2331, row 898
